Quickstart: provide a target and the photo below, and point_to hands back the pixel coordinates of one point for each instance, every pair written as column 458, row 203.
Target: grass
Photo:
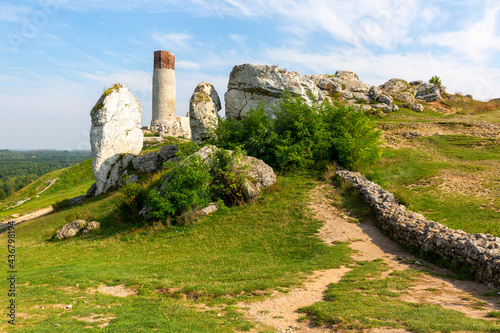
column 362, row 299
column 451, row 179
column 224, row 258
column 190, row 279
column 72, row 182
column 464, row 147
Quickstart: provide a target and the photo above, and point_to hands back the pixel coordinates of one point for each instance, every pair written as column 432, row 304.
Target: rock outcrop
column 115, row 131
column 147, row 163
column 250, row 85
column 260, row 175
column 203, row 108
column 480, row 251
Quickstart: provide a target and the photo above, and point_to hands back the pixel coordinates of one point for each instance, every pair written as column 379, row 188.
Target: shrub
column 228, row 177
column 296, row 136
column 132, row 200
column 435, row 80
column 186, row 187
column 354, row 137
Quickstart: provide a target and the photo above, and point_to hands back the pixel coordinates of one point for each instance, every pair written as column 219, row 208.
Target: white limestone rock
column 115, row 130
column 417, row 107
column 146, row 163
column 428, row 92
column 386, row 99
column 93, row 225
column 70, row 229
column 203, row 108
column 394, row 85
column 251, row 84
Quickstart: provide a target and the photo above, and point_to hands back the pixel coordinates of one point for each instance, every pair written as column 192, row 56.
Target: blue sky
column 57, row 56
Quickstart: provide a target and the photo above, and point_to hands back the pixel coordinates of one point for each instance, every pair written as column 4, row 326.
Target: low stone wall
column 481, row 251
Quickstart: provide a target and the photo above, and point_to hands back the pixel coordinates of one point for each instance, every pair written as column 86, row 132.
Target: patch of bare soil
column 479, row 184
column 397, row 135
column 118, row 291
column 280, row 311
column 96, row 318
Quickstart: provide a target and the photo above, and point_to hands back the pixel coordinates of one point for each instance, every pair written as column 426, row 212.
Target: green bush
column 354, row 137
column 296, row 136
column 186, row 187
column 228, row 177
column 133, row 198
column 192, row 184
column 435, row 80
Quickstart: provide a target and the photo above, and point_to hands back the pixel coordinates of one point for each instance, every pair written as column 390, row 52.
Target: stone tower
column 163, row 91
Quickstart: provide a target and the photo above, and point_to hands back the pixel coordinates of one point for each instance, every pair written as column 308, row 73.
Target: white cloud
column 477, row 42
column 186, row 64
column 13, row 13
column 476, row 79
column 173, row 40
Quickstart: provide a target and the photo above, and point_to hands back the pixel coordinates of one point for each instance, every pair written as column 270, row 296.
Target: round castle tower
column 163, row 90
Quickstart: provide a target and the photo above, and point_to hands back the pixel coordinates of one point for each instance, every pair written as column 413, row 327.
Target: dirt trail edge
column 26, row 218
column 280, row 310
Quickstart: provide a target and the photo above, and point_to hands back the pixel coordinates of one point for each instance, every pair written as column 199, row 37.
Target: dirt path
column 27, row 217
column 280, row 311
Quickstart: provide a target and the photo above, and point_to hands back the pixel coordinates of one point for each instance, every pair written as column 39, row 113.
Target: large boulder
column 141, row 164
column 429, row 92
column 203, row 108
column 260, row 175
column 394, row 86
column 146, row 163
column 70, row 229
column 115, row 131
column 250, row 84
column 93, row 225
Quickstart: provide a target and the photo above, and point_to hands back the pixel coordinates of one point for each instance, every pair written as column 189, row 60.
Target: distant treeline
column 19, row 168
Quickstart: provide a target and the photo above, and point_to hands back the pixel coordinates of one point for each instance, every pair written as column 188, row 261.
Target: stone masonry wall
column 481, row 251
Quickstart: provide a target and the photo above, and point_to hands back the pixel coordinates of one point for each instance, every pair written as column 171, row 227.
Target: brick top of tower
column 164, row 59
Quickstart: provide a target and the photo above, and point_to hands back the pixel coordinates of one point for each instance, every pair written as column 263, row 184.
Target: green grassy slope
column 235, row 252
column 73, row 181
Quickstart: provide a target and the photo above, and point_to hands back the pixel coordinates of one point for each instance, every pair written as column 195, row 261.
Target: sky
column 58, row 56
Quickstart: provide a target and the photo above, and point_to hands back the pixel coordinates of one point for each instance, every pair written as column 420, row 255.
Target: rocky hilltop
column 250, row 84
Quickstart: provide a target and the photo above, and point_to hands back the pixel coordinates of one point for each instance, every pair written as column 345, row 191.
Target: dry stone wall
column 481, row 251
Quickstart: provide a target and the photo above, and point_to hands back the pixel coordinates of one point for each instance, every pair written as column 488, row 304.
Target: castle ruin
column 164, row 119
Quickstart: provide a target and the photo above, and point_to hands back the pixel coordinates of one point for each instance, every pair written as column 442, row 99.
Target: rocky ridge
column 250, row 85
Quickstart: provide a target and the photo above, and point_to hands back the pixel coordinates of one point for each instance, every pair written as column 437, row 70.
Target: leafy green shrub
column 133, row 198
column 228, row 177
column 296, row 136
column 186, row 187
column 255, row 130
column 354, row 138
column 435, row 80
